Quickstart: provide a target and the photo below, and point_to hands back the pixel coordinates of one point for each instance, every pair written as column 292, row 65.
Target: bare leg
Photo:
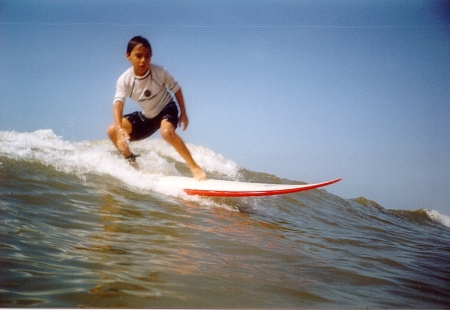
column 118, row 138
column 168, row 134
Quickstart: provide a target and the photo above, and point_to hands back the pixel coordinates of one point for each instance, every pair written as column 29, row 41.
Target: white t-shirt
column 150, row 91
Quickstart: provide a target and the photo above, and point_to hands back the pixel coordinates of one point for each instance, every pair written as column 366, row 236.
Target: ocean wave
column 100, row 157
column 418, row 216
column 440, row 218
column 117, row 238
column 157, row 158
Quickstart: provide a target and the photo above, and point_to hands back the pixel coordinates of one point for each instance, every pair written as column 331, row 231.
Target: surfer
column 151, row 86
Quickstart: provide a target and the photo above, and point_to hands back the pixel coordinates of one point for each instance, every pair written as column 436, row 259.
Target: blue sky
column 305, row 90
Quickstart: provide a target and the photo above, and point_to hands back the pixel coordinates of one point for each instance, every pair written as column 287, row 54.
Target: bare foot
column 198, row 174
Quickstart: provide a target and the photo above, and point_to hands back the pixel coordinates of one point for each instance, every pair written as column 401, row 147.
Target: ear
column 127, row 55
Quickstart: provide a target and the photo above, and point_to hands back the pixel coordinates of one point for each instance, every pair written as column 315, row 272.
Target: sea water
column 81, row 228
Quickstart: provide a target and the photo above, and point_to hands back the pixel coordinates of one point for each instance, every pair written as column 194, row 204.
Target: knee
column 111, row 130
column 167, row 134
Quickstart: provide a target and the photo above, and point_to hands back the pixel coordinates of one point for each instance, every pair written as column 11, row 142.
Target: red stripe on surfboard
column 300, row 188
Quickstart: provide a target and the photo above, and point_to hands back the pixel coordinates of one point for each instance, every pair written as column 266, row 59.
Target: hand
column 184, row 122
column 122, row 139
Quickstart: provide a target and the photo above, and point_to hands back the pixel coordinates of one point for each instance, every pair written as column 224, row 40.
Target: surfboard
column 223, row 188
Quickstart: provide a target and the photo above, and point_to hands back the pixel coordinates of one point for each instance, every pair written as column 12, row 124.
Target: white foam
column 206, row 158
column 100, row 157
column 436, row 216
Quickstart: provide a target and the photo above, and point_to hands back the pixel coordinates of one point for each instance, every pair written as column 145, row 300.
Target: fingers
column 184, row 125
column 122, row 145
column 183, row 122
column 122, row 139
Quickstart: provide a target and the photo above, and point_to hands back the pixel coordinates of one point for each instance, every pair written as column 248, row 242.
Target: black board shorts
column 143, row 127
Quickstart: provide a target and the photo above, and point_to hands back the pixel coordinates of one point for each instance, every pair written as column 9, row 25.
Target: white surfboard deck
column 222, row 188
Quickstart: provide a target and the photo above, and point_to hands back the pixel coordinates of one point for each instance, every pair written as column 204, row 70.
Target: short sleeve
column 164, row 76
column 171, row 83
column 121, row 89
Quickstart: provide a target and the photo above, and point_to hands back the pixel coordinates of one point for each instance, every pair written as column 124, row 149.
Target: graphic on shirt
column 152, row 91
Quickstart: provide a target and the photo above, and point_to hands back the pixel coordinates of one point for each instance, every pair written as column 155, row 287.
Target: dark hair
column 136, row 41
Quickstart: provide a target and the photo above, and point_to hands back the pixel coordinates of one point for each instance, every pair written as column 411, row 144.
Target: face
column 140, row 59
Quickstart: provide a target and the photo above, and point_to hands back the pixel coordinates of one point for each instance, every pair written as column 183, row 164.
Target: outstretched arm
column 184, row 122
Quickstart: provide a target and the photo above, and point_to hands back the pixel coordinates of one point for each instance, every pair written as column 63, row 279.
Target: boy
column 148, row 85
